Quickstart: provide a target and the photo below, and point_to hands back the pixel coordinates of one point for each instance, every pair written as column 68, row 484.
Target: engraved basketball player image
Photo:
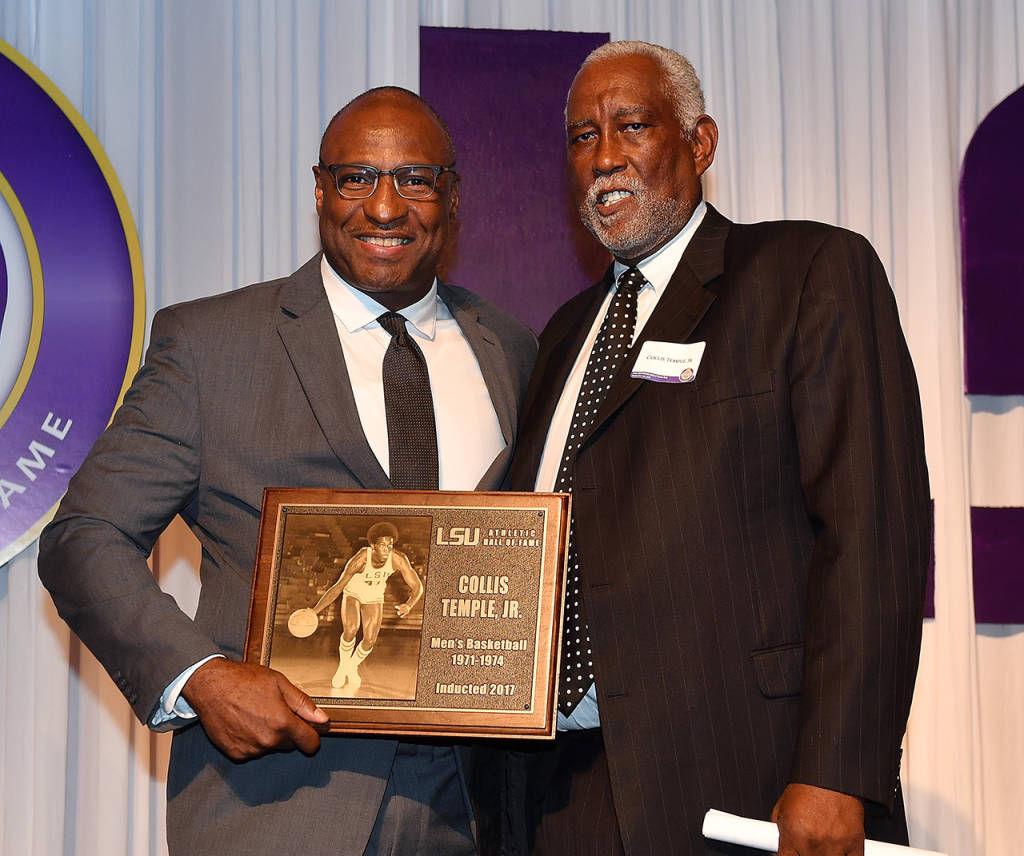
column 361, row 585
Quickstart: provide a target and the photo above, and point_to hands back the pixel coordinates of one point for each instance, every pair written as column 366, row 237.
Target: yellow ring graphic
column 36, row 271
column 134, row 255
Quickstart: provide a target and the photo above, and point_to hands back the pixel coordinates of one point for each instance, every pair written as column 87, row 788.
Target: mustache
column 605, row 183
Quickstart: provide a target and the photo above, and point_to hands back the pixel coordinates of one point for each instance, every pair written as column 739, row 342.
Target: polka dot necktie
column 613, row 341
column 409, row 409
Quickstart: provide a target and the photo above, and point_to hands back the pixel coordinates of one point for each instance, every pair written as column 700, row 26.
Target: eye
column 635, row 127
column 354, row 179
column 582, row 137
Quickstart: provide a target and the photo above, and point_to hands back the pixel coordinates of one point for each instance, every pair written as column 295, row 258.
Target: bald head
column 394, row 96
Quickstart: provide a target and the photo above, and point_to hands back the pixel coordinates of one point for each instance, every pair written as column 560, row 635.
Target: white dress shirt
column 468, row 433
column 657, row 270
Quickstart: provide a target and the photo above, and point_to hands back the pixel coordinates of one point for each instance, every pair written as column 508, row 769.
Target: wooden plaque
column 463, row 608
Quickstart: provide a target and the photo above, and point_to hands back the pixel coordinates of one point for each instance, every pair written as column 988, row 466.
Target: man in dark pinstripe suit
column 751, row 528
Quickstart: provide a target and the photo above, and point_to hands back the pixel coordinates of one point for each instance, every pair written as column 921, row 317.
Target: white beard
column 656, row 218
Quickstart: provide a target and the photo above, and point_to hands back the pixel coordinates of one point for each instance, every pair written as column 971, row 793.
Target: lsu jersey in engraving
column 368, row 585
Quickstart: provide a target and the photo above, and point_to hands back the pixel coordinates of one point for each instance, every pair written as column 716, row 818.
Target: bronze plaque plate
column 451, row 628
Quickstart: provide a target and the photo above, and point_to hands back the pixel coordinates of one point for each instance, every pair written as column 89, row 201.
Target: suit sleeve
column 142, row 471
column 857, row 419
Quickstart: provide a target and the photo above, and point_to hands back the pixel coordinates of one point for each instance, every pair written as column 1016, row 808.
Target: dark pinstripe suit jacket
column 753, row 544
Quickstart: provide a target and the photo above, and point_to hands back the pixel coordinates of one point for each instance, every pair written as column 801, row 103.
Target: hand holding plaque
column 419, row 612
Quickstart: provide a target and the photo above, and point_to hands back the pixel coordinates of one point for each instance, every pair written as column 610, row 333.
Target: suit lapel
column 310, row 336
column 561, row 346
column 680, row 309
column 490, row 356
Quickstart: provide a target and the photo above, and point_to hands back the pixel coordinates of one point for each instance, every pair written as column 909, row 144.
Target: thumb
column 300, row 703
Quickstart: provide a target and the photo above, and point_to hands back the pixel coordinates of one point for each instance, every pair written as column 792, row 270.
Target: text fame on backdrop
column 72, row 301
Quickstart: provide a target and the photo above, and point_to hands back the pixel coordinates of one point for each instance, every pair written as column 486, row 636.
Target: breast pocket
column 737, row 386
column 779, row 671
column 740, row 435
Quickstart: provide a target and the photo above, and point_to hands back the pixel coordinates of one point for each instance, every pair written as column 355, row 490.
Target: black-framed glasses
column 412, row 181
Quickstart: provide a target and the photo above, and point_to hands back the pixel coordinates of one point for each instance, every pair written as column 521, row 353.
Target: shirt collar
column 658, row 267
column 356, row 310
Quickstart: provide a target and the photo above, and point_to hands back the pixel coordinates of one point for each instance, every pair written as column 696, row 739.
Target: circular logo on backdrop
column 72, row 303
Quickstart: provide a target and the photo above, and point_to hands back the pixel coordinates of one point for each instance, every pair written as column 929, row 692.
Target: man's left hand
column 819, row 822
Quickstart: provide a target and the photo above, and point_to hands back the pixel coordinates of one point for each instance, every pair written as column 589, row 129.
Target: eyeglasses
column 412, row 181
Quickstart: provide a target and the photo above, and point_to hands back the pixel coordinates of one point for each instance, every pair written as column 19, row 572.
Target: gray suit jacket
column 239, row 391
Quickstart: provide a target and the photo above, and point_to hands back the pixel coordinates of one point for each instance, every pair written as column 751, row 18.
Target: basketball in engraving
column 302, row 623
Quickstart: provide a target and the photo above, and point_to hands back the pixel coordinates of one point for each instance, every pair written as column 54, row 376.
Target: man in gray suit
column 286, row 383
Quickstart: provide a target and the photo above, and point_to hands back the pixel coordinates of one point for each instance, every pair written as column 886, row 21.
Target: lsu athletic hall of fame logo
column 72, row 303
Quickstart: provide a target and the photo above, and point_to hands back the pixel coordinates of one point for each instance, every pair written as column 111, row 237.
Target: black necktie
column 409, row 407
column 610, row 347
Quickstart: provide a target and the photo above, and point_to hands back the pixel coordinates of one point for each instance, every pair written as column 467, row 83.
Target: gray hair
column 681, row 80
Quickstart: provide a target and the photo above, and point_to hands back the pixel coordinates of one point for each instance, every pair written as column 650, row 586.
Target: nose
column 385, row 206
column 608, row 157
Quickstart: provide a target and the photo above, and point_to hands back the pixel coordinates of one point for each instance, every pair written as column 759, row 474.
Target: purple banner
column 502, row 92
column 87, row 296
column 992, row 226
column 998, row 548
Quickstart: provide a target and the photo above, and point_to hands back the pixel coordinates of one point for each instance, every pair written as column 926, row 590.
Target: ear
column 318, row 189
column 453, row 200
column 704, row 143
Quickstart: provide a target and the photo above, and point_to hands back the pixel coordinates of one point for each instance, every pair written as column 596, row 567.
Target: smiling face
column 635, row 176
column 386, row 245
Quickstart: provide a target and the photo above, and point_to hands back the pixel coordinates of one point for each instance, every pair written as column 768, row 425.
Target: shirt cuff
column 585, row 716
column 173, row 711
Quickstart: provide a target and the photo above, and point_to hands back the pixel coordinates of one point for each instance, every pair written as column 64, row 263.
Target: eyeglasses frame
column 438, row 170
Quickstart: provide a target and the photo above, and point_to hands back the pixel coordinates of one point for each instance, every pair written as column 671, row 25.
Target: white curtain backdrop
column 856, row 113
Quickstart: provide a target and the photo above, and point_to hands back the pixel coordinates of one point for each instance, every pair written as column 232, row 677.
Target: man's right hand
column 248, row 710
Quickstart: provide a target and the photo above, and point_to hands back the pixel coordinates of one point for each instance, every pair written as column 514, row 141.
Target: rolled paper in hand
column 762, row 835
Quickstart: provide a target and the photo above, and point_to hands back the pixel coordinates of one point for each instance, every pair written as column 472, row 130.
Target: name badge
column 668, row 362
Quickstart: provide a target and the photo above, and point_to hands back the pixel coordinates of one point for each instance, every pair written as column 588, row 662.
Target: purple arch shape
column 992, row 230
